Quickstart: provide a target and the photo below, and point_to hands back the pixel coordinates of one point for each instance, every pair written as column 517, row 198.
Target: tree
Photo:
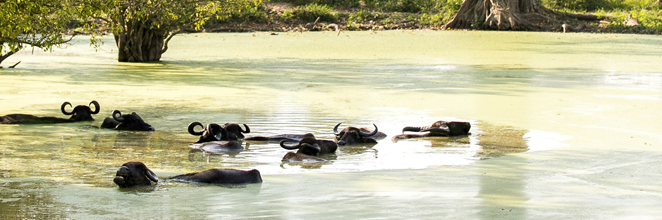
column 36, row 23
column 508, row 15
column 143, row 28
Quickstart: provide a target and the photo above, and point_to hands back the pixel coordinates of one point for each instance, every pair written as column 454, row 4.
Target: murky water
column 564, row 126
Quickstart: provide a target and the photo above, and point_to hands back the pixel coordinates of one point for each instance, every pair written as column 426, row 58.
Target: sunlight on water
column 522, row 93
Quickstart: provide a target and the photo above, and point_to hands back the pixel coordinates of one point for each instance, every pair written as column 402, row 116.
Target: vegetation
column 142, row 28
column 35, row 23
column 293, row 15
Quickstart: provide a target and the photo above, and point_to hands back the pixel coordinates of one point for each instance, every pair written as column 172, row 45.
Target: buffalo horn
column 311, row 146
column 414, row 129
column 282, row 144
column 335, row 129
column 248, row 130
column 369, row 134
column 64, row 111
column 115, row 113
column 191, row 128
column 97, row 108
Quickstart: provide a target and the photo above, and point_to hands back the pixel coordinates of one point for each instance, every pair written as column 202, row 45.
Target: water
column 564, row 126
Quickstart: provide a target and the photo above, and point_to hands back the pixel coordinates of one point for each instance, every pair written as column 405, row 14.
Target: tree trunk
column 499, row 15
column 138, row 43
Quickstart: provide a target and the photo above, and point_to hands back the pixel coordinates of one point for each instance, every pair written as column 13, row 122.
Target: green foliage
column 310, row 13
column 436, row 19
column 253, row 11
column 595, row 5
column 37, row 23
column 411, row 6
column 649, row 19
column 165, row 15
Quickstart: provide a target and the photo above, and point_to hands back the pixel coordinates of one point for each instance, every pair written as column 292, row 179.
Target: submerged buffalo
column 215, row 132
column 299, row 157
column 79, row 113
column 277, row 138
column 131, row 122
column 219, row 140
column 134, row 174
column 437, row 129
column 311, row 146
column 137, row 174
column 221, row 176
column 354, row 135
column 218, row 147
column 443, row 128
column 235, row 129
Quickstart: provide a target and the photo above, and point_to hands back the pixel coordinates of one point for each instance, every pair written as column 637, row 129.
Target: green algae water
column 563, row 126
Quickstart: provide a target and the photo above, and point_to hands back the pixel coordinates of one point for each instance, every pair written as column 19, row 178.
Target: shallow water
column 564, row 126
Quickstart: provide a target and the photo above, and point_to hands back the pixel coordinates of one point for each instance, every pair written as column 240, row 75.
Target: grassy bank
column 305, row 15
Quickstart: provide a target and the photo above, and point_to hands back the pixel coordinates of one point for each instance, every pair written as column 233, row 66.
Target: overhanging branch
column 165, row 44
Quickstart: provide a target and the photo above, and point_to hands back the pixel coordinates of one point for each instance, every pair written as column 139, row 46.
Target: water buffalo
column 237, row 130
column 443, row 128
column 134, row 174
column 278, row 138
column 137, row 174
column 353, row 135
column 79, row 113
column 298, row 157
column 215, row 132
column 230, row 144
column 131, row 122
column 221, row 176
column 311, row 146
column 437, row 129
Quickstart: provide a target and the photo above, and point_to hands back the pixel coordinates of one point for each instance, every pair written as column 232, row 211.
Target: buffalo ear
column 150, row 175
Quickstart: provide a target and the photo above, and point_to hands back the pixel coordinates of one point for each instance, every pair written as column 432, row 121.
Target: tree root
column 524, row 15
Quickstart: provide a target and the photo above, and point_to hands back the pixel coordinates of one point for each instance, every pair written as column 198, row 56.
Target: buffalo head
column 131, row 122
column 81, row 112
column 311, row 146
column 215, row 132
column 134, row 174
column 237, row 130
column 353, row 135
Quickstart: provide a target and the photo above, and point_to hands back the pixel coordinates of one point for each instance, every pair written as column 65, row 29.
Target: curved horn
column 335, row 129
column 64, row 111
column 151, row 176
column 314, row 147
column 414, row 129
column 369, row 134
column 282, row 144
column 191, row 128
column 97, row 108
column 248, row 130
column 115, row 113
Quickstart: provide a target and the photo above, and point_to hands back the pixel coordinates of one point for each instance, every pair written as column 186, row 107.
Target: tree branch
column 165, row 44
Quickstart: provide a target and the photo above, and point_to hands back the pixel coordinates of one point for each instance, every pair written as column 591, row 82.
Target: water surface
column 564, row 126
